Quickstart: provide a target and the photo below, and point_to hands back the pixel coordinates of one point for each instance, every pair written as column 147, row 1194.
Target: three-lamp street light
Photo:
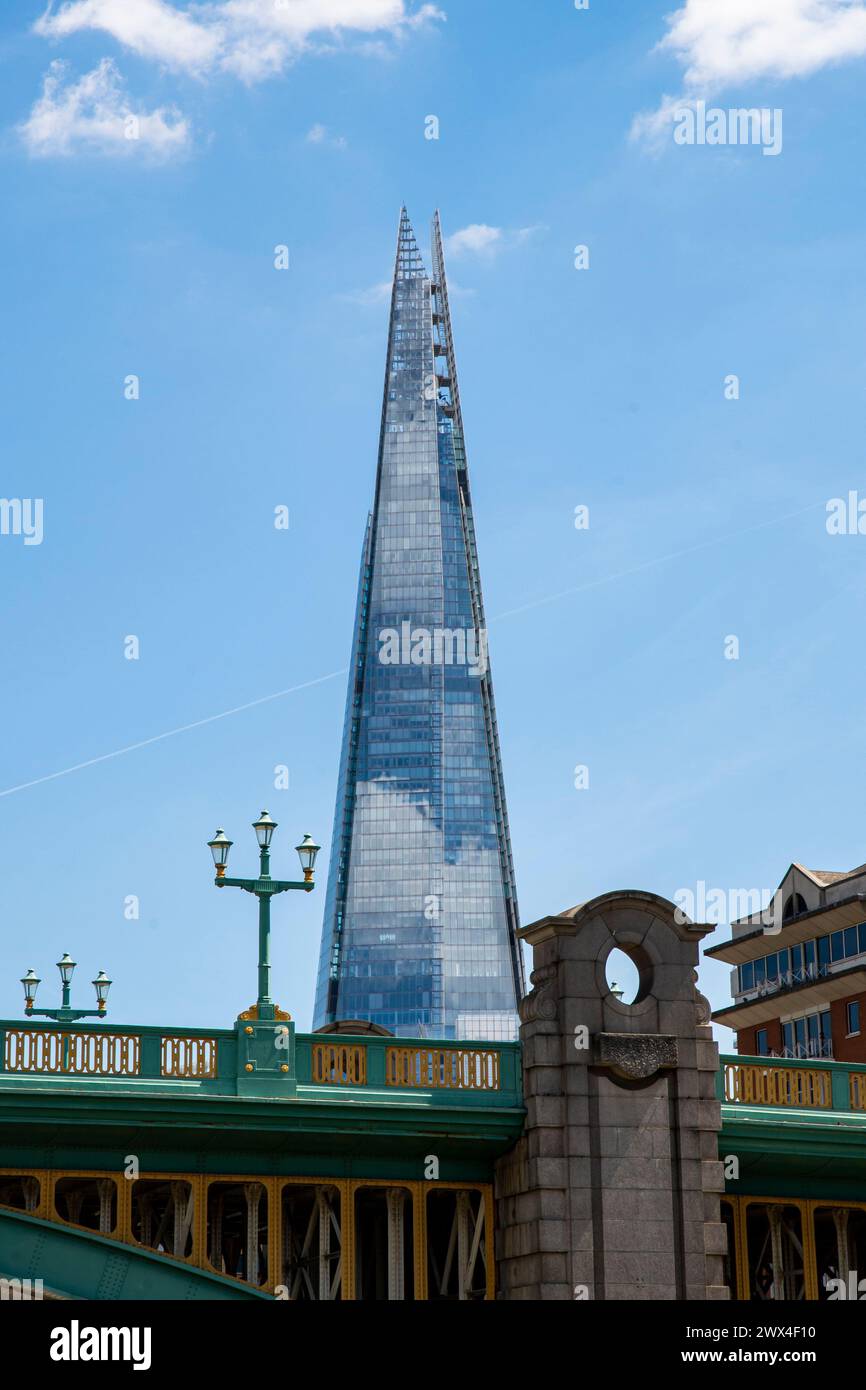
column 65, row 1014
column 264, row 888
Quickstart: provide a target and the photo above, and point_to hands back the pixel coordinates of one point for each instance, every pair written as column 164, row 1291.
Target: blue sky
column 259, row 126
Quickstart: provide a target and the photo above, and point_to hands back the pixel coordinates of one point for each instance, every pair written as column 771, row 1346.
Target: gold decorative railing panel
column 339, row 1064
column 450, row 1069
column 72, row 1054
column 857, row 1082
column 188, row 1057
column 807, row 1087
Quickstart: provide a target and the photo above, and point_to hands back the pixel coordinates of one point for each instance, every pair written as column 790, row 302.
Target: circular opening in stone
column 622, row 975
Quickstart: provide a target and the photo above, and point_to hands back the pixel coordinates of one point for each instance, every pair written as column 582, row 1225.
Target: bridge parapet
column 262, row 1058
column 792, row 1084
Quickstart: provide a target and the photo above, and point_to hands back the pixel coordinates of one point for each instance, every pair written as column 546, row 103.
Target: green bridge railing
column 801, row 1085
column 254, row 1058
column 258, row 1058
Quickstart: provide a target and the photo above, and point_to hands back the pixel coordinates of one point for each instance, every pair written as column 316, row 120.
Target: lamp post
column 264, row 888
column 65, row 1014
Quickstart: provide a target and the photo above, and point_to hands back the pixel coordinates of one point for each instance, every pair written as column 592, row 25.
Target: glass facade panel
column 420, row 930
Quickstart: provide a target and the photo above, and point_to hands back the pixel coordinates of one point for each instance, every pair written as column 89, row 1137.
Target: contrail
column 319, row 680
column 157, row 738
column 650, row 564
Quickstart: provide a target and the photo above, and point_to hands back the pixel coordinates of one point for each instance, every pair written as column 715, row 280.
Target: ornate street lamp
column 264, row 888
column 65, row 1014
column 31, row 983
column 102, row 985
column 219, row 847
column 307, row 851
column 264, row 828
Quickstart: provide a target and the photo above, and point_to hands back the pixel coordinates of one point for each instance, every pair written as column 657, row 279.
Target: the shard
column 420, row 929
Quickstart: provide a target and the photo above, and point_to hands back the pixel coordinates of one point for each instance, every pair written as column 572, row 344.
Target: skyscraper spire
column 409, row 263
column 420, row 930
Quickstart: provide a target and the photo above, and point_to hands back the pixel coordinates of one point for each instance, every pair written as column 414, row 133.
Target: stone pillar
column 613, row 1190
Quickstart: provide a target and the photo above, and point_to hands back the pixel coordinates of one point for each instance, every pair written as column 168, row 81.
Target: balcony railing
column 440, row 1072
column 789, row 979
column 803, row 1052
column 792, row 1084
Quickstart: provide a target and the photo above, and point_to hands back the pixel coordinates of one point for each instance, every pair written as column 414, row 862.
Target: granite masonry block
column 639, row 1236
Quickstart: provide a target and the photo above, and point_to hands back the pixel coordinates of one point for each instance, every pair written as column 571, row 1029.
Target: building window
column 762, row 1043
column 797, row 964
column 809, row 1036
column 853, row 1012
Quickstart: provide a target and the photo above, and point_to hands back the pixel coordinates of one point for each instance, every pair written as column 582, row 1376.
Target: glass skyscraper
column 420, row 930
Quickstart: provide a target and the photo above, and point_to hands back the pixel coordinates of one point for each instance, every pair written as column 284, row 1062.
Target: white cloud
column 477, row 239
column 94, row 114
column 723, row 43
column 319, row 135
column 654, row 127
column 152, row 28
column 524, row 234
column 370, row 298
column 720, row 42
column 254, row 39
column 480, row 240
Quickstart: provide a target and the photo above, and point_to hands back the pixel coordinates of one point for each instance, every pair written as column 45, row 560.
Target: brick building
column 799, row 970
